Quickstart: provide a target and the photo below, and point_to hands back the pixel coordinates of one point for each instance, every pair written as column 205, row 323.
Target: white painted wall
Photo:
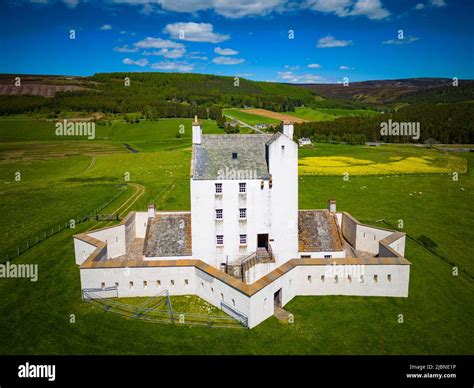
column 321, row 254
column 283, row 166
column 114, row 237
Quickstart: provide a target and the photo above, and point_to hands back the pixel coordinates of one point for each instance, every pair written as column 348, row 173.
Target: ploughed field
column 62, row 178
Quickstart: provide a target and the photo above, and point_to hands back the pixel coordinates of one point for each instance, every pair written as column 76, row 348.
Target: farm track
column 139, row 190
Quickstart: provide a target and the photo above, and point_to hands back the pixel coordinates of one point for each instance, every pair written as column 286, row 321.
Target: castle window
column 305, row 256
column 219, row 214
column 234, row 155
column 376, row 278
column 102, row 285
column 220, row 239
column 349, row 278
column 336, row 279
column 309, row 278
column 131, row 285
column 186, row 282
column 222, row 296
column 172, row 283
column 283, row 148
column 212, row 291
column 362, row 278
column 322, row 278
column 218, row 188
column 116, row 285
column 243, row 239
column 158, row 283
column 233, row 303
column 242, row 213
column 145, row 284
column 202, row 286
column 242, row 187
column 389, row 278
column 327, row 256
column 262, row 185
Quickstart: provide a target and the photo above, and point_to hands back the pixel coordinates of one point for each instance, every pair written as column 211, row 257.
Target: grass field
column 325, row 114
column 249, row 118
column 73, row 176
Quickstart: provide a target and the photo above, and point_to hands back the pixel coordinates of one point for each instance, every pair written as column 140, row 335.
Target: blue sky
column 332, row 39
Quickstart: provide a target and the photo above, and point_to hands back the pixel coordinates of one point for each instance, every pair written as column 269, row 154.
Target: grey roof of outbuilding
column 168, row 235
column 213, row 157
column 318, row 231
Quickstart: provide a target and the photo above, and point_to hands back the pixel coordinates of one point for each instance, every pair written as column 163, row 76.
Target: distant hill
column 390, row 91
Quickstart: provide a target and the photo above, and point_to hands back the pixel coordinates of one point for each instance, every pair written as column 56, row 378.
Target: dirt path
column 122, row 209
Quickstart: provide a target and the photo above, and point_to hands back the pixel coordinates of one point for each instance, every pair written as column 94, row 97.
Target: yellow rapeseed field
column 338, row 165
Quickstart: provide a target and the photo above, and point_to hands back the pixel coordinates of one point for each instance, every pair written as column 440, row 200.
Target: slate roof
column 318, row 231
column 168, row 235
column 212, row 159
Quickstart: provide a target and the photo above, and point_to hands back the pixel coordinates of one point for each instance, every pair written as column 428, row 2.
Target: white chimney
column 197, row 131
column 151, row 210
column 288, row 129
column 332, row 205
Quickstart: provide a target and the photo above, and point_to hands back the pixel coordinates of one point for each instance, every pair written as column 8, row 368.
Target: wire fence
column 159, row 309
column 18, row 249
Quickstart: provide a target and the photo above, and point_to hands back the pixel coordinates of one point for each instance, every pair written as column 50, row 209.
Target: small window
column 220, row 239
column 202, row 286
column 212, row 291
column 145, row 284
column 243, row 239
column 362, row 278
column 262, row 185
column 389, row 278
column 102, row 285
column 349, row 278
column 327, row 256
column 336, row 279
column 116, row 238
column 322, row 278
column 242, row 213
column 376, row 278
column 242, row 187
column 374, row 236
column 219, row 214
column 233, row 303
column 218, row 188
column 234, row 155
column 116, row 285
column 265, row 302
column 222, row 296
column 131, row 285
column 305, row 256
column 283, row 148
column 158, row 283
column 186, row 282
column 309, row 278
column 172, row 283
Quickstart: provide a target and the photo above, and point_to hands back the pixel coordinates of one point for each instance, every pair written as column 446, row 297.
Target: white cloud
column 330, row 41
column 194, row 32
column 227, row 61
column 225, row 51
column 182, row 67
column 106, row 27
column 229, row 8
column 141, row 62
column 373, row 9
column 314, row 66
column 419, row 6
column 197, row 55
column 408, row 40
column 291, row 77
column 157, row 43
column 344, row 67
column 168, row 53
column 292, row 67
column 438, row 3
column 126, row 49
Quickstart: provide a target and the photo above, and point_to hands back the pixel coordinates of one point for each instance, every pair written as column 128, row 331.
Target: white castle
column 244, row 245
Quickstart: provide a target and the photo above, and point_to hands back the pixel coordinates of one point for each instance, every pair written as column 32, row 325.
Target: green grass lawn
column 326, row 114
column 438, row 314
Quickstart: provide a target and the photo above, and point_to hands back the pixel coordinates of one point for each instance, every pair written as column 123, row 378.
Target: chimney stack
column 288, row 129
column 151, row 210
column 332, row 205
column 197, row 131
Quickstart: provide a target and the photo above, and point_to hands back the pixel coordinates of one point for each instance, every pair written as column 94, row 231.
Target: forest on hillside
column 445, row 123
